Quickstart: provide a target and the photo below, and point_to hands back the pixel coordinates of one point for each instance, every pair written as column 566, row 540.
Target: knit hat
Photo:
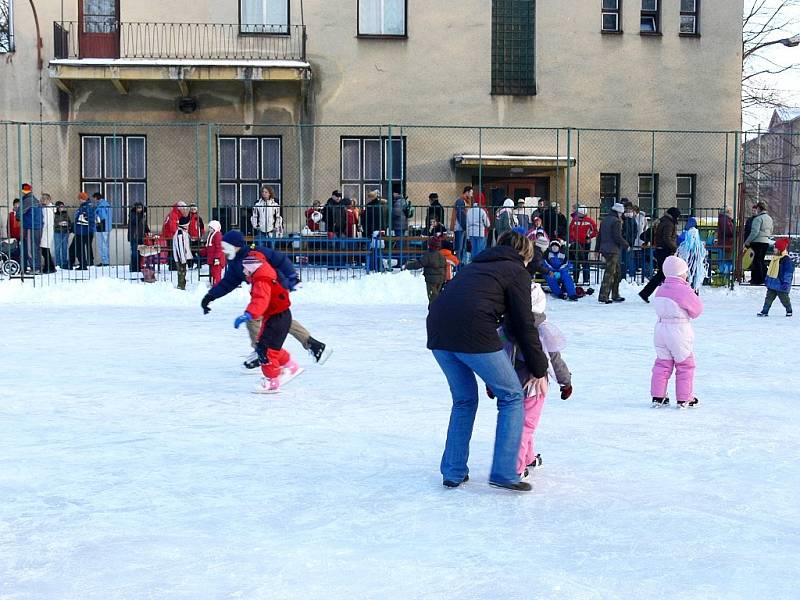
column 556, row 243
column 215, row 225
column 674, row 266
column 433, row 196
column 83, row 196
column 581, row 210
column 508, row 203
column 183, row 222
column 674, row 212
column 251, row 264
column 434, row 243
column 235, row 238
column 542, row 241
column 620, row 208
column 781, row 244
column 26, row 188
column 538, row 298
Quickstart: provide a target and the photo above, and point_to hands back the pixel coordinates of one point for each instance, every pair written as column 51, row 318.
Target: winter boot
column 317, row 350
column 660, row 402
column 455, row 484
column 788, row 313
column 522, row 486
column 765, row 314
column 689, row 404
column 536, row 462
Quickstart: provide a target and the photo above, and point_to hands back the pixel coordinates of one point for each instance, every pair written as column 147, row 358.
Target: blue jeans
column 458, row 244
column 375, row 255
column 478, row 245
column 495, row 369
column 102, row 247
column 62, row 250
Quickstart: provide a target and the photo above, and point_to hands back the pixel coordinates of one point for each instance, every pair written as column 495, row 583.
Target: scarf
column 775, row 266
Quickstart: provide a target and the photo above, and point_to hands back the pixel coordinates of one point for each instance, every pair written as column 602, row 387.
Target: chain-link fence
column 398, row 185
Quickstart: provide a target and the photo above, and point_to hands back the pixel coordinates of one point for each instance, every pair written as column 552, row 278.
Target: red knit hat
column 26, row 188
column 782, row 244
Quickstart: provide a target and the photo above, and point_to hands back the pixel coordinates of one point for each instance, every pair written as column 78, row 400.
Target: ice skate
column 268, row 386
column 683, row 404
column 251, row 363
column 318, row 350
column 660, row 402
column 290, row 371
column 536, row 462
column 522, row 486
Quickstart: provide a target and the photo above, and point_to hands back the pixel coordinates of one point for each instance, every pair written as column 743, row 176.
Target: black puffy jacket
column 493, row 290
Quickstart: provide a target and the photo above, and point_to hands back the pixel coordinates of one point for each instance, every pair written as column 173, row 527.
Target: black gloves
column 205, row 302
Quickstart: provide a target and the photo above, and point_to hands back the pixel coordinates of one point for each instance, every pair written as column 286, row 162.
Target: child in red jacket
column 214, row 254
column 269, row 300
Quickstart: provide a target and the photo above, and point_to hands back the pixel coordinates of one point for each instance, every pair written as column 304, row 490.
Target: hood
column 498, row 253
column 674, row 213
column 691, row 222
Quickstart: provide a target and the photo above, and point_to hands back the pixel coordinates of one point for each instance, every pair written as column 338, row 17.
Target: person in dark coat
column 610, row 244
column 554, row 223
column 434, row 267
column 494, row 290
column 137, row 230
column 335, row 213
column 725, row 231
column 435, row 210
column 665, row 242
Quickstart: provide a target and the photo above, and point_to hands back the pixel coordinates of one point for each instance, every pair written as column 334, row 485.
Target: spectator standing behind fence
column 758, row 240
column 779, row 278
column 335, row 215
column 477, row 224
column 402, row 211
column 458, row 221
column 84, row 224
column 103, row 222
column 13, row 221
column 505, row 219
column 31, row 219
column 182, row 250
column 434, row 267
column 582, row 230
column 630, row 231
column 610, row 244
column 137, row 231
column 62, row 227
column 47, row 242
column 313, row 216
column 170, row 226
column 725, row 232
column 638, row 246
column 435, row 210
column 523, row 214
column 264, row 216
column 375, row 221
column 351, row 211
column 554, row 223
column 214, row 254
column 665, row 242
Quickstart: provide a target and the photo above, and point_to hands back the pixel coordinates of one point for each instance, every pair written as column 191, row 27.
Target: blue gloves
column 557, row 275
column 244, row 318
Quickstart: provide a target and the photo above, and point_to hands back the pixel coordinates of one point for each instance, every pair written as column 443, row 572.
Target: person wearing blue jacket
column 557, row 272
column 779, row 278
column 236, row 249
column 32, row 221
column 102, row 214
column 84, row 227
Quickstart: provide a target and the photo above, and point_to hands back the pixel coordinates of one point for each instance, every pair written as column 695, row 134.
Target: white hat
column 538, row 298
column 581, row 210
column 618, row 207
column 508, row 203
column 215, row 225
column 542, row 241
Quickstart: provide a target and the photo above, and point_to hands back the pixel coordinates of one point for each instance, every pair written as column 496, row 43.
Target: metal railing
column 201, row 41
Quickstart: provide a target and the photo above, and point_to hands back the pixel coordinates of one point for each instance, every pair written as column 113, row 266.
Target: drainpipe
column 40, row 62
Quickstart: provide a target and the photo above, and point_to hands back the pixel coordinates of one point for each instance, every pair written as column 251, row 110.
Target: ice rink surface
column 136, row 463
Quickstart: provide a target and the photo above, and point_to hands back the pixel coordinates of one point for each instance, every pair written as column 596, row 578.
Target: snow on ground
column 135, row 462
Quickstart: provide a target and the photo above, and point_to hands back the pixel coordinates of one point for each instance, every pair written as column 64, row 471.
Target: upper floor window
column 386, row 18
column 6, row 26
column 513, row 37
column 611, row 16
column 651, row 17
column 264, row 16
column 690, row 13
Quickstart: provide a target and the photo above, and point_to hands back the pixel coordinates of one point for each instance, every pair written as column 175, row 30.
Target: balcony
column 99, row 48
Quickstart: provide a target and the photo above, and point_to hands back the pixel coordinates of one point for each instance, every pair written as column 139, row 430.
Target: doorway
column 498, row 189
column 98, row 24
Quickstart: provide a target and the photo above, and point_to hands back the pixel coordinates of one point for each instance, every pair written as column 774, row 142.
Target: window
column 264, row 16
column 651, row 17
column 513, row 32
column 690, row 12
column 365, row 166
column 648, row 192
column 611, row 16
column 609, row 191
column 6, row 26
column 244, row 164
column 684, row 198
column 385, row 18
column 115, row 166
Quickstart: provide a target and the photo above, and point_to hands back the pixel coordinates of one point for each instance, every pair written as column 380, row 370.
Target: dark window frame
column 513, row 59
column 239, row 181
column 696, row 15
column 651, row 198
column 382, row 184
column 258, row 33
column 611, row 11
column 690, row 197
column 604, row 198
column 382, row 36
column 103, row 181
column 651, row 14
column 8, row 46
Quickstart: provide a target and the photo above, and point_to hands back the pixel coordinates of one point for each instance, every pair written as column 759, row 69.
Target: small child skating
column 676, row 304
column 214, row 254
column 181, row 250
column 269, row 301
column 779, row 278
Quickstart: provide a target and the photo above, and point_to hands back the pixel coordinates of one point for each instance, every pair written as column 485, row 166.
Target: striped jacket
column 181, row 250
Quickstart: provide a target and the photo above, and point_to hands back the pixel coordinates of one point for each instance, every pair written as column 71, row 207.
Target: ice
column 135, row 462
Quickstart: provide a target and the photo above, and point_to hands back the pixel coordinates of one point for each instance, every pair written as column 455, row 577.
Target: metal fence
column 222, row 168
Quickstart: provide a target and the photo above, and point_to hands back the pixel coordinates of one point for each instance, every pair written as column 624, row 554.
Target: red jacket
column 352, row 222
column 582, row 229
column 171, row 224
column 214, row 248
column 267, row 296
column 13, row 226
column 310, row 223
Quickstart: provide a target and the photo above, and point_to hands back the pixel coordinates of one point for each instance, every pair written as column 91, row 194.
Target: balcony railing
column 98, row 37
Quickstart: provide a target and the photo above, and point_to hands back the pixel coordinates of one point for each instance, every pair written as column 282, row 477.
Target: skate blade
column 261, row 390
column 326, row 354
column 247, row 371
column 284, row 379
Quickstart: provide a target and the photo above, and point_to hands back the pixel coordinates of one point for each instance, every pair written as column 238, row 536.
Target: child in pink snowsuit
column 676, row 304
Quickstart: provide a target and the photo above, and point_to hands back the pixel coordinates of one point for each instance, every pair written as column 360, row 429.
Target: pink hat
column 674, row 266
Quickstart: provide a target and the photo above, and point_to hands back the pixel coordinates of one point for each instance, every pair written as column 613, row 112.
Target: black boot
column 317, row 350
column 522, row 486
column 660, row 402
column 689, row 404
column 455, row 484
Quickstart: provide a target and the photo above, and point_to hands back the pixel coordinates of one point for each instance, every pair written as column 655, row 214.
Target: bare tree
column 5, row 27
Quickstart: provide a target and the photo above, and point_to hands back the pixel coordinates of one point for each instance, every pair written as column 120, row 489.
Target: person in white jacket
column 181, row 250
column 47, row 243
column 477, row 224
column 266, row 216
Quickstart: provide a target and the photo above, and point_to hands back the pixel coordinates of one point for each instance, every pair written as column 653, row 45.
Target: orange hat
column 83, row 196
column 26, row 188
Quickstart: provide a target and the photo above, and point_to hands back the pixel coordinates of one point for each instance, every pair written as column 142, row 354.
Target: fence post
column 22, row 261
column 209, row 182
column 653, row 188
column 390, row 196
column 480, row 166
column 558, row 164
column 569, row 175
column 737, row 196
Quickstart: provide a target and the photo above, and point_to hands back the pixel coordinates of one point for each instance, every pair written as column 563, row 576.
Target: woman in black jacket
column 494, row 290
column 137, row 230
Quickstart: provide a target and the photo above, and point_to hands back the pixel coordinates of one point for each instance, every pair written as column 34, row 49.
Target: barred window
column 244, row 165
column 513, row 36
column 609, row 190
column 365, row 166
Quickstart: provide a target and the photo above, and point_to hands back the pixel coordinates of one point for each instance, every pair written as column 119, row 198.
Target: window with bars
column 264, row 16
column 115, row 166
column 685, row 196
column 513, row 47
column 244, row 164
column 651, row 17
column 6, row 26
column 609, row 190
column 611, row 16
column 648, row 192
column 383, row 18
column 365, row 166
column 690, row 17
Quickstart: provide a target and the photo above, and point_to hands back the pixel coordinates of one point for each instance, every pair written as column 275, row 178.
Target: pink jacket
column 675, row 303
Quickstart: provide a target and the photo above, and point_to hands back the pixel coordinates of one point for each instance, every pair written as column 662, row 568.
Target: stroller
column 9, row 248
